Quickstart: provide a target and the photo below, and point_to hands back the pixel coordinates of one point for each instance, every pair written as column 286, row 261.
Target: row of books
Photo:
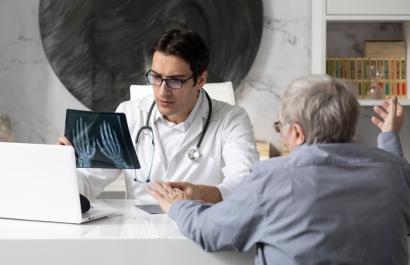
column 366, row 72
column 391, row 88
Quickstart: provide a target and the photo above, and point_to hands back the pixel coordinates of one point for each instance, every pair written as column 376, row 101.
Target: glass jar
column 376, row 88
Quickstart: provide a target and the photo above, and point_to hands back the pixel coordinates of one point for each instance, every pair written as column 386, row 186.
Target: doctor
column 202, row 146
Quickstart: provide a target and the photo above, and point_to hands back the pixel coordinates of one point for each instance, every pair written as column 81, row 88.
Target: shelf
column 374, row 102
column 367, row 18
column 368, row 7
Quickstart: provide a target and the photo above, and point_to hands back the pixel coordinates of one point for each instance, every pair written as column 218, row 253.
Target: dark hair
column 185, row 44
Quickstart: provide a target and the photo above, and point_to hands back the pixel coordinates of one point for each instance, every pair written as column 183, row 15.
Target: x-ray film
column 100, row 139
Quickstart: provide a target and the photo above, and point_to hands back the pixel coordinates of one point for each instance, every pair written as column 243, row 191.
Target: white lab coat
column 227, row 152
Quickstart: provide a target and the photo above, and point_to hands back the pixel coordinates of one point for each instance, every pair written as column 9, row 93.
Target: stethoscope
column 193, row 154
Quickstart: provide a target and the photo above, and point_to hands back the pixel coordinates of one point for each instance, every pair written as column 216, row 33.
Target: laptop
column 39, row 182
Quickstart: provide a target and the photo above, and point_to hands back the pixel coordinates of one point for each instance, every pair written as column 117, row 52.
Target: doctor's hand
column 391, row 114
column 165, row 194
column 62, row 140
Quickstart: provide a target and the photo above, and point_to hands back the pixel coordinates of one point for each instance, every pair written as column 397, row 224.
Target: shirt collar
column 183, row 126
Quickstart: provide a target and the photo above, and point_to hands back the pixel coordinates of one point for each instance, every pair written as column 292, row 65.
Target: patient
column 330, row 201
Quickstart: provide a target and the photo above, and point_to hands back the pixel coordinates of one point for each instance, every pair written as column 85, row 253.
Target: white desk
column 133, row 237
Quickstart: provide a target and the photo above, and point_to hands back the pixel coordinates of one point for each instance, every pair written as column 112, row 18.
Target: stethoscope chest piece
column 194, row 154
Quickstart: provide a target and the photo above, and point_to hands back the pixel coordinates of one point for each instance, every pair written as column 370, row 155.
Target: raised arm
column 389, row 119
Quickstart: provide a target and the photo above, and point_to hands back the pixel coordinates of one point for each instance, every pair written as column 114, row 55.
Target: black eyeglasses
column 278, row 126
column 172, row 83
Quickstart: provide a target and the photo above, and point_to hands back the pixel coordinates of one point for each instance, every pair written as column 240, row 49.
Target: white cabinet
column 356, row 11
column 368, row 7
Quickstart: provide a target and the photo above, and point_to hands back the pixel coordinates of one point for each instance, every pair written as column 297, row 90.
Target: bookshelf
column 353, row 11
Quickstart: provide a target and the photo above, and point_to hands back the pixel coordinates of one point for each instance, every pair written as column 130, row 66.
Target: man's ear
column 201, row 80
column 299, row 133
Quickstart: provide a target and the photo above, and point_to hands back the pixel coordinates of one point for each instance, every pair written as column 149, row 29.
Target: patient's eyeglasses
column 278, row 126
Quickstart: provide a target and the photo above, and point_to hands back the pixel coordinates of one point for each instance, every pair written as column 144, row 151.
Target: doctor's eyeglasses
column 173, row 83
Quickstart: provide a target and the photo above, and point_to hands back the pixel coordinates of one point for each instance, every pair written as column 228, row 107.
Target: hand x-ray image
column 100, row 139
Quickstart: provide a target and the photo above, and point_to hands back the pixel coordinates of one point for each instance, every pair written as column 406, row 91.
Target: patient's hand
column 190, row 191
column 198, row 192
column 390, row 116
column 165, row 194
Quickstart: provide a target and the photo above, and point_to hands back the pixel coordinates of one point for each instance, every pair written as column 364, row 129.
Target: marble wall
column 284, row 54
column 35, row 99
column 30, row 93
column 348, row 39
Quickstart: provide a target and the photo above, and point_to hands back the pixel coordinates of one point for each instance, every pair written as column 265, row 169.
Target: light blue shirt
column 322, row 204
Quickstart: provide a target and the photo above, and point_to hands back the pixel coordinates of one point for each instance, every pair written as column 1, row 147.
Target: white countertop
column 130, row 237
column 130, row 223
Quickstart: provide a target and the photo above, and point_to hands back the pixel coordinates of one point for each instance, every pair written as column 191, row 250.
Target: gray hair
column 325, row 107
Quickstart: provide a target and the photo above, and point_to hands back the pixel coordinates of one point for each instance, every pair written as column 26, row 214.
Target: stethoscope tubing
column 190, row 152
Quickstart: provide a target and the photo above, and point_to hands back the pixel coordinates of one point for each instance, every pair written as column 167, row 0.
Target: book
column 100, row 139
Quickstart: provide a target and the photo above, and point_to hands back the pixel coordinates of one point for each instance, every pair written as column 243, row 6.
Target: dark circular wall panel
column 98, row 48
